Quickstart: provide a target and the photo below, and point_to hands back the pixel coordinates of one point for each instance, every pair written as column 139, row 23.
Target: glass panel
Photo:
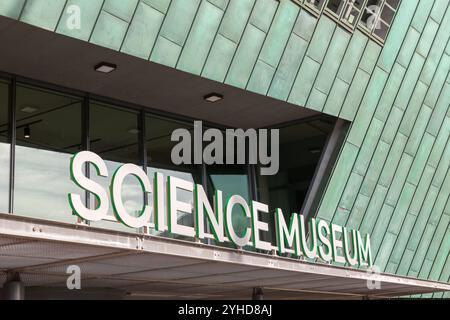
column 4, row 148
column 371, row 11
column 393, row 3
column 357, row 3
column 351, row 15
column 159, row 148
column 381, row 30
column 287, row 189
column 114, row 136
column 231, row 180
column 387, row 14
column 317, row 4
column 48, row 134
column 336, row 6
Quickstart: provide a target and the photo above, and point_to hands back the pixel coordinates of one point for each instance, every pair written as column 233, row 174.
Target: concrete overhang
column 37, row 54
column 140, row 266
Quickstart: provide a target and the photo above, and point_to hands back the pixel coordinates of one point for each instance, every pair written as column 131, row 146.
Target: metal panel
column 185, row 266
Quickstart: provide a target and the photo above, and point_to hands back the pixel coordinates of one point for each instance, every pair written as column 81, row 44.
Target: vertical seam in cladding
column 365, row 135
column 61, row 15
column 188, row 33
column 392, row 23
column 434, row 203
column 129, row 25
column 434, row 233
column 390, row 185
column 320, row 68
column 348, row 131
column 448, row 254
column 305, row 55
column 159, row 30
column 22, row 9
column 406, row 180
column 351, row 81
column 282, row 54
column 443, row 268
column 96, row 21
column 262, row 45
column 215, row 36
column 238, row 43
column 440, row 93
column 353, row 76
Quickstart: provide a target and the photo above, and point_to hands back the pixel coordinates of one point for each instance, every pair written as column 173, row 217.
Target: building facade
column 360, row 91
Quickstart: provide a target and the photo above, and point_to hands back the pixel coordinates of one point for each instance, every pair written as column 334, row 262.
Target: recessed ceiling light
column 27, row 132
column 105, row 67
column 213, row 97
column 29, row 109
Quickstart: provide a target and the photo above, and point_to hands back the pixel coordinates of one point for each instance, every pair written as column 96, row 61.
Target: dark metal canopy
column 135, row 266
column 37, row 54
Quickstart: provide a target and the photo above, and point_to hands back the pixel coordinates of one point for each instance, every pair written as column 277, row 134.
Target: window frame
column 142, row 114
column 343, row 22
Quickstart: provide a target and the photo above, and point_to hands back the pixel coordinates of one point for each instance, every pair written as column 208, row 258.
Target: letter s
column 77, row 176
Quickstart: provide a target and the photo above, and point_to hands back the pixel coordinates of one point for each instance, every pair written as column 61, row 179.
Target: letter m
column 287, row 235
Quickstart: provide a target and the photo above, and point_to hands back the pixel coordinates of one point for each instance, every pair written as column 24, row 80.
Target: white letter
column 259, row 225
column 310, row 253
column 283, row 233
column 238, row 241
column 116, row 196
column 174, row 206
column 77, row 175
column 325, row 256
column 351, row 259
column 215, row 220
column 364, row 251
column 336, row 244
column 158, row 202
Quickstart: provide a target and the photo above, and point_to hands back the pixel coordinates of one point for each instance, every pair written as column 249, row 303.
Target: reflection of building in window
column 374, row 16
column 378, row 16
column 316, row 4
column 352, row 11
column 302, row 166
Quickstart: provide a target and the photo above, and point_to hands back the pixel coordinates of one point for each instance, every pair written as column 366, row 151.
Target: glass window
column 369, row 14
column 114, row 136
column 336, row 6
column 316, row 4
column 378, row 16
column 48, row 129
column 159, row 148
column 382, row 30
column 4, row 148
column 288, row 189
column 393, row 3
column 231, row 180
column 387, row 14
column 352, row 11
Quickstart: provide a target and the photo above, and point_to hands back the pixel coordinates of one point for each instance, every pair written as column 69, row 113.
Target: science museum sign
column 316, row 239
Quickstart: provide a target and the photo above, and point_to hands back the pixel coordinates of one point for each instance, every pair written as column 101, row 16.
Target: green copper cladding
column 392, row 176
